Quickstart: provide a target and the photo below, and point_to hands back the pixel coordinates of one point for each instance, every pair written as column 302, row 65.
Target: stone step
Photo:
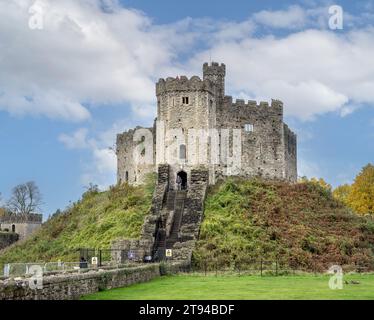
column 170, row 201
column 175, row 201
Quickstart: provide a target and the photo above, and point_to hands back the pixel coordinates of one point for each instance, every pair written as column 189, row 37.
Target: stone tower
column 216, row 74
column 198, row 126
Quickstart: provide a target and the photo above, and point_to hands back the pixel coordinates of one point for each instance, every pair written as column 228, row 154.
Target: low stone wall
column 73, row 286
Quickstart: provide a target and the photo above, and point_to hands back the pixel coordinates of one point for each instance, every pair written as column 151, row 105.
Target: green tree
column 361, row 196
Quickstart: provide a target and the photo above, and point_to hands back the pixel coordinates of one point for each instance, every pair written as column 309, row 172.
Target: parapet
column 127, row 137
column 290, row 133
column 214, row 69
column 16, row 218
column 182, row 83
column 275, row 105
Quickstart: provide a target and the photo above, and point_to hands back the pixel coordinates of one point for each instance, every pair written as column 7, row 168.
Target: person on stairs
column 179, row 182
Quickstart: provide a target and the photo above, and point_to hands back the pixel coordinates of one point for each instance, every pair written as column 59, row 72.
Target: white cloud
column 102, row 167
column 83, row 56
column 293, row 18
column 51, row 104
column 78, row 140
column 97, row 53
column 312, row 71
column 106, row 160
column 308, row 169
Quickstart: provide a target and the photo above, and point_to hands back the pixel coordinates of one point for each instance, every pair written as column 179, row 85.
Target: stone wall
column 9, row 217
column 22, row 229
column 290, row 154
column 262, row 149
column 23, row 225
column 73, row 286
column 135, row 155
column 7, row 238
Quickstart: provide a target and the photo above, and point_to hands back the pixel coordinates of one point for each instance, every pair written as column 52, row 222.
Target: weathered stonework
column 73, row 286
column 7, row 238
column 185, row 105
column 192, row 215
column 131, row 168
column 21, row 225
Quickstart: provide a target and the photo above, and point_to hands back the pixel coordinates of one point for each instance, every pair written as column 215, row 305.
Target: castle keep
column 200, row 135
column 187, row 108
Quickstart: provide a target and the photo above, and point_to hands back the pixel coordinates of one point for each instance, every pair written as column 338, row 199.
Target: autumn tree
column 361, row 196
column 341, row 193
column 317, row 181
column 25, row 199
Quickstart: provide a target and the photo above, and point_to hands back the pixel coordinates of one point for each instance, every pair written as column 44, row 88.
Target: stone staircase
column 172, row 223
column 174, row 207
column 180, row 197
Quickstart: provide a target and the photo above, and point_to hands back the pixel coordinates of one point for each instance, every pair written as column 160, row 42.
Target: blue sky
column 66, row 90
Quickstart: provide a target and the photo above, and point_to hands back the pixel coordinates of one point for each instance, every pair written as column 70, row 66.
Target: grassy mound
column 93, row 222
column 301, row 224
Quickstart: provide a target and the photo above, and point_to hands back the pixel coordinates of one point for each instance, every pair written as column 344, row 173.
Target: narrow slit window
column 185, row 100
column 249, row 127
column 182, row 152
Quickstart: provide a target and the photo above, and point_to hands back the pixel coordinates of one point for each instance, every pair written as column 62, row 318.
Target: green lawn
column 200, row 287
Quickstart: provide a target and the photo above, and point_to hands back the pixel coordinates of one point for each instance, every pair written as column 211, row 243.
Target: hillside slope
column 301, row 224
column 93, row 222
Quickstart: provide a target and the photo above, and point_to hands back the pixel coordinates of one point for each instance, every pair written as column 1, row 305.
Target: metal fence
column 85, row 259
column 26, row 269
column 114, row 258
column 267, row 267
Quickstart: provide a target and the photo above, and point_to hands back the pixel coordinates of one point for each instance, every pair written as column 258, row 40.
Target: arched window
column 13, row 228
column 182, row 152
column 127, row 176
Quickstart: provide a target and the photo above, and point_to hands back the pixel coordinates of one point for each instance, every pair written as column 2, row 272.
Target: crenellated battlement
column 9, row 217
column 276, row 105
column 182, row 83
column 127, row 137
column 290, row 133
column 214, row 69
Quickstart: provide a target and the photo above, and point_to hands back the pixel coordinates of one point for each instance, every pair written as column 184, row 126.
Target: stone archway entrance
column 182, row 177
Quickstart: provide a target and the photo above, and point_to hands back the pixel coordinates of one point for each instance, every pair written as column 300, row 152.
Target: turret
column 216, row 73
